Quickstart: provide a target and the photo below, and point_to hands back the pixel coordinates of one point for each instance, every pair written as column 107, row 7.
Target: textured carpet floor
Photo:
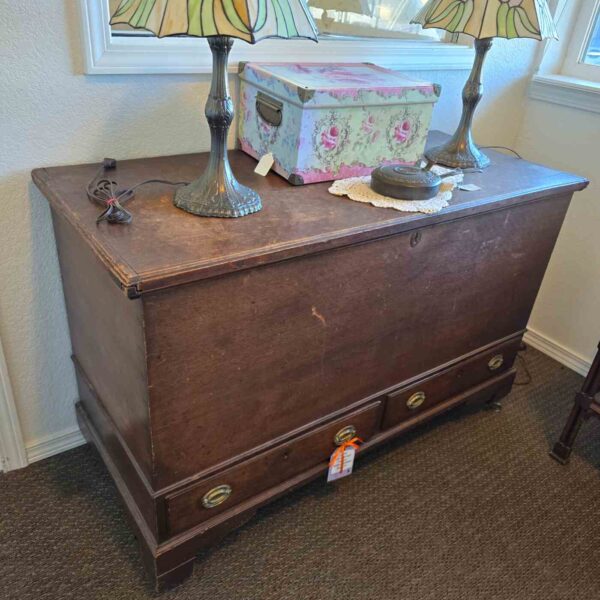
column 471, row 507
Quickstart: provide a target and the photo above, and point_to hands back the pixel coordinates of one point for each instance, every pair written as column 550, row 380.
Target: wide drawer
column 406, row 402
column 223, row 491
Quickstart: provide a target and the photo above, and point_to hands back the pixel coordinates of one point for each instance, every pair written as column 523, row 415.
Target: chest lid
column 315, row 85
column 166, row 247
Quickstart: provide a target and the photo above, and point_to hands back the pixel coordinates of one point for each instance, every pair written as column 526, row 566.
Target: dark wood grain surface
column 271, row 468
column 290, row 343
column 453, row 381
column 165, row 246
column 315, row 310
column 107, row 337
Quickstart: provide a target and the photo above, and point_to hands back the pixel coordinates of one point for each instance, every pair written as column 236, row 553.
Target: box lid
column 338, row 84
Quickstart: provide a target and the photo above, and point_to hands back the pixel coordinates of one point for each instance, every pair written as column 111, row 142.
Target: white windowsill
column 568, row 91
column 107, row 55
column 129, row 59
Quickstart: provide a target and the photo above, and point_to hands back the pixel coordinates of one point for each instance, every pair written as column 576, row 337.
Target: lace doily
column 359, row 189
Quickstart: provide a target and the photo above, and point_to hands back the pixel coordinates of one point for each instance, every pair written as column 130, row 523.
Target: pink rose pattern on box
column 333, row 134
column 368, row 134
column 402, row 131
column 341, row 75
column 330, row 137
column 321, row 142
column 369, row 130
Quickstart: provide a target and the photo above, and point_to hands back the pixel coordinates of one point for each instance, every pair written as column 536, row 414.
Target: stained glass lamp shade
column 483, row 20
column 217, row 193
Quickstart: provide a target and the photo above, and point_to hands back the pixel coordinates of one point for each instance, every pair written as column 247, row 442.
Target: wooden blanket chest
column 220, row 361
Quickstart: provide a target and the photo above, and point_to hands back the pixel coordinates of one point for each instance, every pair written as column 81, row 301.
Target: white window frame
column 561, row 78
column 12, row 448
column 107, row 55
column 573, row 65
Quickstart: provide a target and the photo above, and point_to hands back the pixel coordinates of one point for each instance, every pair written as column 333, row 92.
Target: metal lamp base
column 208, row 197
column 461, row 152
column 217, row 193
column 458, row 154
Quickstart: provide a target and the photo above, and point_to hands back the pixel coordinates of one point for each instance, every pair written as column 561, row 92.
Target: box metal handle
column 269, row 109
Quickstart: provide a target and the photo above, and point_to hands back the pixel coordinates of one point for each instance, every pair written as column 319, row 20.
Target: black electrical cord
column 105, row 191
column 521, row 358
column 502, row 148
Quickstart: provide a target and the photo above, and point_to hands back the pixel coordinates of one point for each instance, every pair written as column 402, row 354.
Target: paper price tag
column 341, row 464
column 468, row 187
column 264, row 164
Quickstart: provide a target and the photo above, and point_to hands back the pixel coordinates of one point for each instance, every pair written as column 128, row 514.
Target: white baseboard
column 557, row 351
column 54, row 444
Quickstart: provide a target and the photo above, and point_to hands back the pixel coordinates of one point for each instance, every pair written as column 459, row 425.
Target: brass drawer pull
column 496, row 362
column 344, row 435
column 216, row 496
column 416, row 400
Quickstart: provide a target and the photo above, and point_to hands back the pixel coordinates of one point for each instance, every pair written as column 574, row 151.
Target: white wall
column 567, row 311
column 51, row 114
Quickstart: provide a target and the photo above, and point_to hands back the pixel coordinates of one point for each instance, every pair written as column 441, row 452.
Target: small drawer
column 218, row 493
column 408, row 401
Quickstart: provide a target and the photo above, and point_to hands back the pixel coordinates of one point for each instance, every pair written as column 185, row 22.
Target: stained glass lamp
column 483, row 20
column 217, row 193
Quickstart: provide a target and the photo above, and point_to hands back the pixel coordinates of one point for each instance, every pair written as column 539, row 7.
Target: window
column 582, row 59
column 352, row 31
column 592, row 50
column 349, row 18
column 370, row 18
column 569, row 72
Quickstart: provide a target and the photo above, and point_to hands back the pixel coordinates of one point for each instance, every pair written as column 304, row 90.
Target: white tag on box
column 264, row 164
column 341, row 464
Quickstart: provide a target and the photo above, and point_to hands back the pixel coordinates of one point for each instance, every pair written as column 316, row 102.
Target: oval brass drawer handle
column 496, row 362
column 416, row 400
column 216, row 496
column 345, row 435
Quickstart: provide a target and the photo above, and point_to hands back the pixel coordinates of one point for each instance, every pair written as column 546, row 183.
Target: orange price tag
column 341, row 462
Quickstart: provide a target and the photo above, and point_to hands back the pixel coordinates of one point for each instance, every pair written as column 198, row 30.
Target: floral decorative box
column 325, row 122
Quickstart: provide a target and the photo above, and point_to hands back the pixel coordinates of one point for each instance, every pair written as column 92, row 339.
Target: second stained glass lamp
column 483, row 20
column 217, row 193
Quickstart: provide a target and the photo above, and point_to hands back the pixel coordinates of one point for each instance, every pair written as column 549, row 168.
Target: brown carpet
column 471, row 507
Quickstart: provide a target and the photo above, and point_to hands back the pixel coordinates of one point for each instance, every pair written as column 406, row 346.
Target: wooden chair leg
column 562, row 449
column 591, row 386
